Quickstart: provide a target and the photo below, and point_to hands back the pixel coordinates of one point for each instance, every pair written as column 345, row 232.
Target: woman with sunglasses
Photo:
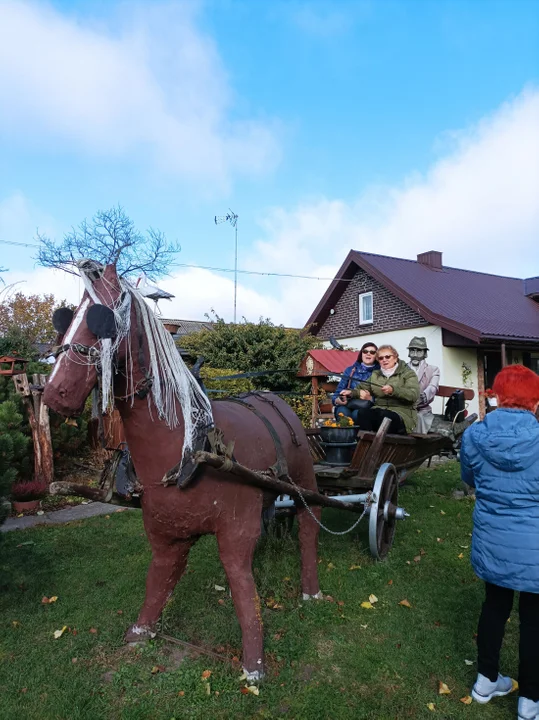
column 360, row 371
column 395, row 391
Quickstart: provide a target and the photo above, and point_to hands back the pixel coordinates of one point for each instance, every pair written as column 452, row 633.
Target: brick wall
column 389, row 312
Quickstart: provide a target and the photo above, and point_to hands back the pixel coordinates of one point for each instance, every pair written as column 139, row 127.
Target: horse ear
column 101, row 321
column 61, row 319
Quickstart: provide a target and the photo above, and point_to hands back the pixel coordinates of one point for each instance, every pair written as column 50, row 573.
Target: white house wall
column 449, row 360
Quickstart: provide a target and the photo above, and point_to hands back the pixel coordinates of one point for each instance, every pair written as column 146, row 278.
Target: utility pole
column 232, row 218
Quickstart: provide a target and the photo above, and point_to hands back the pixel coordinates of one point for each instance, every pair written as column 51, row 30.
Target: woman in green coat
column 394, row 389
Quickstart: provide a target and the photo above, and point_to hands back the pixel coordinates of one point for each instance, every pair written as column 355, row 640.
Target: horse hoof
column 318, row 596
column 255, row 676
column 139, row 634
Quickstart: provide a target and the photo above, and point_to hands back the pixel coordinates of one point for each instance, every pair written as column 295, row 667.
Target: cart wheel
column 382, row 515
column 279, row 524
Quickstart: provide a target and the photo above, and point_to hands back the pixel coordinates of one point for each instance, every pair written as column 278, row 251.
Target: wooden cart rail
column 405, row 452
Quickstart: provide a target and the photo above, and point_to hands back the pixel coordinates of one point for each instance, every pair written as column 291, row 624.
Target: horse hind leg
column 166, row 568
column 309, row 529
column 236, row 551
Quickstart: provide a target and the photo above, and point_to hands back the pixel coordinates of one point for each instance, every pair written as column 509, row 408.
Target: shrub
column 31, row 490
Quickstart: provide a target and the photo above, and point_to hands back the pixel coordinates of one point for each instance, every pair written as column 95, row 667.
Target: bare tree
column 110, row 238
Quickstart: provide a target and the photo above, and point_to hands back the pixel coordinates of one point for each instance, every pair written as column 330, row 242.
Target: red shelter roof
column 327, row 362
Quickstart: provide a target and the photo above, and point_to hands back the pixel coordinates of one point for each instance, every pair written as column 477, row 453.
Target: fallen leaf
column 331, row 566
column 24, row 690
column 93, row 631
column 405, row 603
column 367, row 605
column 244, row 691
column 422, row 552
column 466, row 700
column 418, row 531
column 443, row 689
column 221, row 601
column 340, row 603
column 29, row 542
column 59, row 633
column 107, row 517
column 442, row 512
column 464, row 547
column 15, row 623
column 515, row 685
column 408, row 562
column 219, row 587
column 155, row 670
column 460, row 556
column 431, row 707
column 206, row 674
column 364, row 627
column 253, row 690
column 119, row 612
column 373, row 599
column 207, row 687
column 417, row 558
column 40, row 512
column 439, row 540
column 390, row 582
column 181, row 693
column 355, row 567
column 468, row 662
column 74, row 660
column 53, row 599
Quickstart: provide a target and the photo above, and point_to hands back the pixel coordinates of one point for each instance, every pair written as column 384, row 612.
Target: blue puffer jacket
column 500, row 457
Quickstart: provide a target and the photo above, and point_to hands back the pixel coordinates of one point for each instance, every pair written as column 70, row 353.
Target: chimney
column 431, row 259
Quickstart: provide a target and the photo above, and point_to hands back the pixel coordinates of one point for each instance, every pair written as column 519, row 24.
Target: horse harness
column 212, row 439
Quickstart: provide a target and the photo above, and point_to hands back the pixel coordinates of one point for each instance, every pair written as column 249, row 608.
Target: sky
column 377, row 125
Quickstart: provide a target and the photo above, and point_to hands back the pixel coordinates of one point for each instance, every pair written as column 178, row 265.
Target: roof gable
column 472, row 304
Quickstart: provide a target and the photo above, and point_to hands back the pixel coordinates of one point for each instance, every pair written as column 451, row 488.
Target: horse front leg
column 236, row 552
column 308, row 545
column 166, row 568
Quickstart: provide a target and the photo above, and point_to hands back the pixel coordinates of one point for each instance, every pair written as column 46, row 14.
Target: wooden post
column 314, row 390
column 38, row 417
column 481, row 384
column 504, row 355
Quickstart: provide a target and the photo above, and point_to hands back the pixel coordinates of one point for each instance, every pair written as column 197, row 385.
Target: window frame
column 362, row 320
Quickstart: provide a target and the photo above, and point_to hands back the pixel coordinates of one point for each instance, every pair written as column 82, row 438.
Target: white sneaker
column 528, row 709
column 484, row 689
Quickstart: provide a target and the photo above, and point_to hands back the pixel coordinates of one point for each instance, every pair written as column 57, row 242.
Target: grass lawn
column 331, row 659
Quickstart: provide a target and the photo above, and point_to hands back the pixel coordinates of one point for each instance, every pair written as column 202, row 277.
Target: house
column 474, row 322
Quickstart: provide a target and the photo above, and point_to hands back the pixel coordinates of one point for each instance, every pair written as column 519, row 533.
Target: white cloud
column 156, row 87
column 478, row 205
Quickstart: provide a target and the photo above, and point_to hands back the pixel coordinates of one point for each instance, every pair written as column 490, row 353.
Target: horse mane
column 173, row 385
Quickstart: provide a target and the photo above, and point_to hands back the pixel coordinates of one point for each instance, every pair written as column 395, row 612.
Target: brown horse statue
column 115, row 340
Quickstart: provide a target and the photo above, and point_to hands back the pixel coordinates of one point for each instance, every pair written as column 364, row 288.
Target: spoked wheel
column 382, row 518
column 278, row 523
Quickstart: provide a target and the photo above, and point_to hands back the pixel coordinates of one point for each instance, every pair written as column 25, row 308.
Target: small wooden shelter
column 11, row 365
column 320, row 365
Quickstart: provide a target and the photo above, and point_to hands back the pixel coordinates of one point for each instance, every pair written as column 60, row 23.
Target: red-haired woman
column 500, row 458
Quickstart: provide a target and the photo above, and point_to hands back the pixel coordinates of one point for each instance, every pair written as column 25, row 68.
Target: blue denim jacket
column 352, row 376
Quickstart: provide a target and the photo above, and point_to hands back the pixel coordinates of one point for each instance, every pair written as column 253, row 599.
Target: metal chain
column 368, row 503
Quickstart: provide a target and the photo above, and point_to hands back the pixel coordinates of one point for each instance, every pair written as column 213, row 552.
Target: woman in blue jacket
column 360, row 371
column 500, row 458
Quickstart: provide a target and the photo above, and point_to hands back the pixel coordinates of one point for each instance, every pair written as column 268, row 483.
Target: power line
column 215, row 269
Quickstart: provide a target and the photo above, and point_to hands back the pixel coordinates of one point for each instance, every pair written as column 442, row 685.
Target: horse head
column 87, row 339
column 114, row 336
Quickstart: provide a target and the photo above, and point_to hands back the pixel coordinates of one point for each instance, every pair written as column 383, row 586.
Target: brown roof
column 476, row 305
column 186, row 327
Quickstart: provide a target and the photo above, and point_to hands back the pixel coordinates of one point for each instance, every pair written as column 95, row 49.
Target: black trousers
column 371, row 419
column 496, row 610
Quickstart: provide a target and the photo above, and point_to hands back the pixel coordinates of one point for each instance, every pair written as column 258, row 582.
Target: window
column 365, row 308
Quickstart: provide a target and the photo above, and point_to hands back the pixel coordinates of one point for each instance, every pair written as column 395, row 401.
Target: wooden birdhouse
column 10, row 366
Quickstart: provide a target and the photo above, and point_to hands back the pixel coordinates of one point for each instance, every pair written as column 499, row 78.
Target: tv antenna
column 232, row 218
